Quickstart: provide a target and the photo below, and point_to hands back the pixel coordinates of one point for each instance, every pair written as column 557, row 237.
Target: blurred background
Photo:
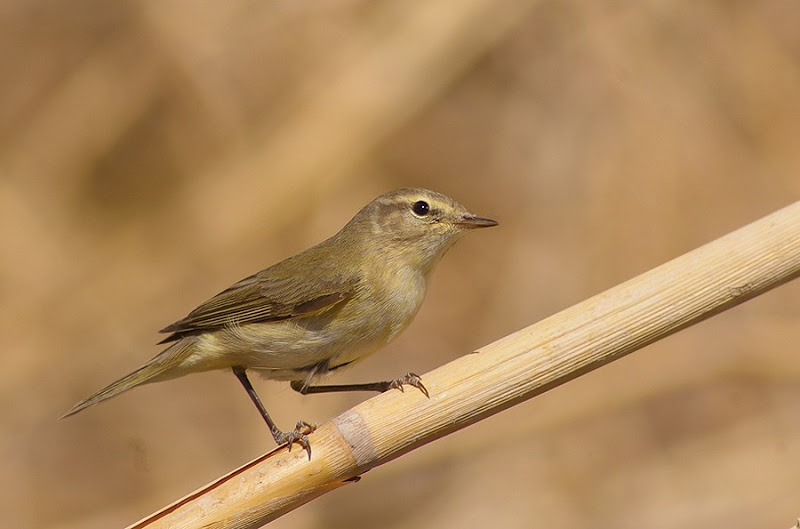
column 152, row 153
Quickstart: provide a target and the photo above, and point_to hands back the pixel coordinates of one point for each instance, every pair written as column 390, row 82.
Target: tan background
column 152, row 153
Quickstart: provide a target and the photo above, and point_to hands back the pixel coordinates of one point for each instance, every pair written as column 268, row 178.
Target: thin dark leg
column 295, row 436
column 411, row 379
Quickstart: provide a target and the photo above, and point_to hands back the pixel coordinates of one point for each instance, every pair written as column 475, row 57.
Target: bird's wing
column 265, row 296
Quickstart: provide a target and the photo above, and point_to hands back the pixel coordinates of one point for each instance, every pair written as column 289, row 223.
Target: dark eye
column 421, row 208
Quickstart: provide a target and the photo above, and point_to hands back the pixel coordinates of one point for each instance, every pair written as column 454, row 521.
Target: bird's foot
column 299, row 435
column 410, row 379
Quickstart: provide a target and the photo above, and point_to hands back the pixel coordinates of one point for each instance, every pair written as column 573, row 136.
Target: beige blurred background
column 152, row 153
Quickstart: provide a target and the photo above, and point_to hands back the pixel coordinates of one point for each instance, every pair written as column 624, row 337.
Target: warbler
column 320, row 310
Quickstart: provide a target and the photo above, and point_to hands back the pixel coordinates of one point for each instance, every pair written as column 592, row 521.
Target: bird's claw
column 299, row 435
column 411, row 379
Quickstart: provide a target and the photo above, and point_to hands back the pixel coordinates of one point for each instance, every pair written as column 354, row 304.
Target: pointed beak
column 471, row 221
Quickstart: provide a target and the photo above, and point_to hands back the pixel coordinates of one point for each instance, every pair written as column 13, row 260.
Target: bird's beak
column 471, row 221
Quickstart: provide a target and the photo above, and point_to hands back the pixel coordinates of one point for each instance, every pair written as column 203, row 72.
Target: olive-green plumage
column 324, row 308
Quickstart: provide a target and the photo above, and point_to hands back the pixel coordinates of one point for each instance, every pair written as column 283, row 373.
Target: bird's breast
column 380, row 312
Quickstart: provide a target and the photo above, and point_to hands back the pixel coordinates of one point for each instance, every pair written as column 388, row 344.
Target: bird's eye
column 421, row 208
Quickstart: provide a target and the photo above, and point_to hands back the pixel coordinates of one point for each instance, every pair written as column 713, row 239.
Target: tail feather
column 156, row 369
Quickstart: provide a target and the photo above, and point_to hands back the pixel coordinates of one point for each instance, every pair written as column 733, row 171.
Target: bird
column 316, row 312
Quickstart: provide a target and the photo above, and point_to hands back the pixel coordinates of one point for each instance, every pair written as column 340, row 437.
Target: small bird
column 325, row 308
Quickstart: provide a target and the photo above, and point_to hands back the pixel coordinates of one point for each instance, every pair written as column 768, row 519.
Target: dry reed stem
column 682, row 292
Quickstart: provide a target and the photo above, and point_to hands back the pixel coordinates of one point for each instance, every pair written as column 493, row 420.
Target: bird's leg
column 411, row 379
column 298, row 435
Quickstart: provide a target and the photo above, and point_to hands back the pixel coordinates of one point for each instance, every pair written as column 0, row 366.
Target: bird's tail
column 160, row 367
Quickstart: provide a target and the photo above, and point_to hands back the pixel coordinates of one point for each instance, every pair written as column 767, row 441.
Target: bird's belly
column 284, row 350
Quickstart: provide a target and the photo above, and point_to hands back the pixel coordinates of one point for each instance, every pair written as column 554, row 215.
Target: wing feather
column 270, row 295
